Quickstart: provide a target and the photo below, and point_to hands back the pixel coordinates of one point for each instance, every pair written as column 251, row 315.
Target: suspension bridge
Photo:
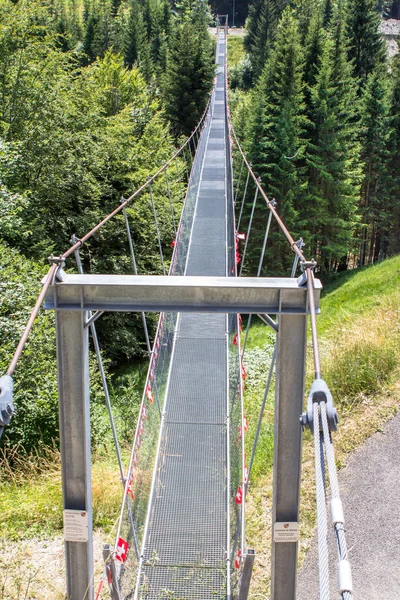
column 181, row 530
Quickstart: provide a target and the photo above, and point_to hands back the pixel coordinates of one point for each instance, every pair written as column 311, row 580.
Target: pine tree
column 276, row 132
column 313, row 49
column 347, row 105
column 87, row 46
column 332, row 160
column 393, row 246
column 188, row 78
column 328, row 13
column 134, row 41
column 103, row 33
column 374, row 196
column 366, row 46
column 261, row 28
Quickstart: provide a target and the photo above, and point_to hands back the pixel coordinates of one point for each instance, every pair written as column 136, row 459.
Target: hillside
column 359, row 330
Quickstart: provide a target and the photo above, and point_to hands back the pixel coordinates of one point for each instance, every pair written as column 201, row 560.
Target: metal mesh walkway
column 187, row 539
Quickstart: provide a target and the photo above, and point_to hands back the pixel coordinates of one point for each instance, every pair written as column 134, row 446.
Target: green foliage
column 360, row 348
column 257, row 364
column 361, row 343
column 189, row 75
column 276, row 145
column 363, row 368
column 366, row 47
column 261, row 28
column 36, row 421
column 376, row 211
column 333, row 155
column 394, row 160
column 35, row 424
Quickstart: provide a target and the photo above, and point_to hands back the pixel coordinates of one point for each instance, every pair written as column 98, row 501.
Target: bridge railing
column 141, row 479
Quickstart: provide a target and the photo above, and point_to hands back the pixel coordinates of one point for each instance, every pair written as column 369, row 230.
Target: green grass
column 236, row 50
column 354, row 293
column 31, row 496
column 359, row 332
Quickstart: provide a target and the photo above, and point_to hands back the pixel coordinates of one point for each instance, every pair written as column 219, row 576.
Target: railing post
column 246, row 575
column 74, row 414
column 290, row 372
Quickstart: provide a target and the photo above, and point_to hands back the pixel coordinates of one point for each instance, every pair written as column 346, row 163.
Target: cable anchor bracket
column 304, row 264
column 319, row 393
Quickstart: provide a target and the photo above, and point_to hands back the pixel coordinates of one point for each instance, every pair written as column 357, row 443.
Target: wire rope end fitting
column 60, row 262
column 74, row 240
column 319, row 393
column 344, row 576
column 6, row 401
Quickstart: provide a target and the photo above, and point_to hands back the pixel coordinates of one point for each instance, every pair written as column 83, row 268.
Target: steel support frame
column 289, row 393
column 74, row 414
column 131, row 293
column 73, row 295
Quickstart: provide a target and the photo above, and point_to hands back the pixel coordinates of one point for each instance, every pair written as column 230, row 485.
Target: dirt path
column 35, row 569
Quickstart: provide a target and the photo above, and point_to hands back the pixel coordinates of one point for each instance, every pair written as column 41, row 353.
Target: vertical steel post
column 74, row 414
column 246, row 575
column 290, row 372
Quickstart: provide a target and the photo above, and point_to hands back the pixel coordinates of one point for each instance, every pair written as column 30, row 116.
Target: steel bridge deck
column 187, row 538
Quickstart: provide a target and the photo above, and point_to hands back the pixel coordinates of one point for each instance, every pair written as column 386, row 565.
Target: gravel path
column 370, row 489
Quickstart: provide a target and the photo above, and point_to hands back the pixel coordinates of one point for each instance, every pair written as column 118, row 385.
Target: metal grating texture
column 182, row 583
column 203, row 325
column 187, row 529
column 201, row 397
column 187, row 540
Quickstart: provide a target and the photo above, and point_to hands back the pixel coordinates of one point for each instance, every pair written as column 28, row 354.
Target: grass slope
column 359, row 330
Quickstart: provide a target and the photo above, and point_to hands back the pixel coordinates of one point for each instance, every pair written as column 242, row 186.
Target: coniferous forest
column 316, row 103
column 95, row 95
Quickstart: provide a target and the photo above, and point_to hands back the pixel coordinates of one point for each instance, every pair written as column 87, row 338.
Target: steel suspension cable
column 256, row 180
column 243, row 199
column 323, row 555
column 35, row 311
column 248, row 231
column 157, row 228
column 262, row 409
column 170, row 202
column 133, row 258
column 322, row 420
column 344, row 570
column 313, row 319
column 238, row 184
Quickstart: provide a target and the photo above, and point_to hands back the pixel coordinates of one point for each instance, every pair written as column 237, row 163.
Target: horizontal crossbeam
column 131, row 293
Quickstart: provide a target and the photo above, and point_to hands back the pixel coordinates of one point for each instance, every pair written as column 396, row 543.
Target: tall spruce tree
column 134, row 39
column 188, row 78
column 333, row 172
column 394, row 161
column 374, row 196
column 261, row 28
column 366, row 46
column 276, row 142
column 328, row 13
column 313, row 50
